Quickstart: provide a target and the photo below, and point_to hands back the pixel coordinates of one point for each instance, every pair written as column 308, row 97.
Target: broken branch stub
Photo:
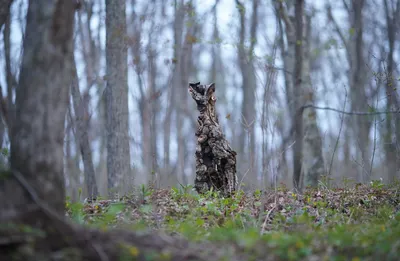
column 215, row 159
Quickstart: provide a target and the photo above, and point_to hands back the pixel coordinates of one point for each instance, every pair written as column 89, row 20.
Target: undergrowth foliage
column 353, row 223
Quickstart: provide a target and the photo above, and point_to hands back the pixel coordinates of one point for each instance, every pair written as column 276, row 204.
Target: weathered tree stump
column 215, row 159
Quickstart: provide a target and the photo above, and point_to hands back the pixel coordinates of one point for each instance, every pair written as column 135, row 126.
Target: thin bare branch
column 355, row 113
column 337, row 28
column 289, row 25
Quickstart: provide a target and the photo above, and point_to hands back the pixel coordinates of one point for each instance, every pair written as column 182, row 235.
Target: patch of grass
column 352, row 223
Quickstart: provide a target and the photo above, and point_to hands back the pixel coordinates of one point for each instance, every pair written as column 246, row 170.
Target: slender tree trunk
column 392, row 122
column 298, row 94
column 81, row 134
column 178, row 29
column 72, row 165
column 118, row 149
column 153, row 104
column 248, row 103
column 289, row 60
column 361, row 125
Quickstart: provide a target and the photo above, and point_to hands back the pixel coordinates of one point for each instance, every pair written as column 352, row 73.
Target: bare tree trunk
column 298, row 94
column 178, row 29
column 180, row 53
column 81, row 133
column 72, row 164
column 118, row 149
column 41, row 101
column 154, row 107
column 312, row 167
column 148, row 109
column 392, row 121
column 308, row 162
column 362, row 125
column 248, row 89
column 186, row 67
column 289, row 60
column 355, row 52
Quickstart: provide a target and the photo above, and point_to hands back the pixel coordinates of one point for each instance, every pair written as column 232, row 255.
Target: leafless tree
column 355, row 52
column 392, row 156
column 248, row 112
column 308, row 162
column 81, row 132
column 118, row 145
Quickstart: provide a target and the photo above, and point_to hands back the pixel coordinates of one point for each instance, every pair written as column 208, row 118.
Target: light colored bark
column 118, row 148
column 313, row 165
column 308, row 162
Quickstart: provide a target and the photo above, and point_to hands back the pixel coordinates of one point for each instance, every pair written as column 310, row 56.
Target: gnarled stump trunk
column 215, row 159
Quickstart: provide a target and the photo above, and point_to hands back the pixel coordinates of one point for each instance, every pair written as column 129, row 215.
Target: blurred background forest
column 346, row 59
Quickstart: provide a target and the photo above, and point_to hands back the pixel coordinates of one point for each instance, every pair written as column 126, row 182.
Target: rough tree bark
column 313, row 166
column 215, row 159
column 298, row 94
column 82, row 135
column 308, row 162
column 118, row 149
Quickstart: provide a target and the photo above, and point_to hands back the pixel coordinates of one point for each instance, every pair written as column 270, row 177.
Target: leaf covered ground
column 360, row 222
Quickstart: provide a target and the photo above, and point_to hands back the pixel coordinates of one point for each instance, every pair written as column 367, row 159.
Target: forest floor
column 359, row 222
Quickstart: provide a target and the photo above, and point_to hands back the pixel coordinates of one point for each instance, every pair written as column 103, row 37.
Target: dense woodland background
column 347, row 60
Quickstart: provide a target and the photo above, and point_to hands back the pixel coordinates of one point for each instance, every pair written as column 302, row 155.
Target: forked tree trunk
column 215, row 159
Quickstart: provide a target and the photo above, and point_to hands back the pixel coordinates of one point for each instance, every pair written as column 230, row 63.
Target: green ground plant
column 351, row 223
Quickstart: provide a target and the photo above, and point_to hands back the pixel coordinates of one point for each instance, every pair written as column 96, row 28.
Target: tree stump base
column 215, row 159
